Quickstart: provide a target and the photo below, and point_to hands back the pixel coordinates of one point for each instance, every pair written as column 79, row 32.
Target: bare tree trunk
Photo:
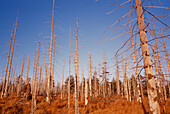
column 76, row 71
column 4, row 83
column 69, row 69
column 151, row 87
column 160, row 66
column 86, row 92
column 167, row 60
column 82, row 86
column 117, row 78
column 13, row 84
column 28, row 64
column 105, row 81
column 20, row 79
column 136, row 94
column 99, row 80
column 52, row 78
column 95, row 83
column 90, row 89
column 39, row 82
column 62, row 81
column 49, row 68
column 126, row 83
column 10, row 64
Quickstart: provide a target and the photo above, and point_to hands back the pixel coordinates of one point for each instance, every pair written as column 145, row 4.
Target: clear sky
column 34, row 24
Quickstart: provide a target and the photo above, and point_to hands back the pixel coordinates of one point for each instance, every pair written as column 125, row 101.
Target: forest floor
column 99, row 105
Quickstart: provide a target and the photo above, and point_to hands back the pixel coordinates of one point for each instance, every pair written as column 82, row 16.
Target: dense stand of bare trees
column 128, row 85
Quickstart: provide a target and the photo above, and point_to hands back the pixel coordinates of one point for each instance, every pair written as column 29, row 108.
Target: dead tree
column 90, row 88
column 20, row 79
column 117, row 78
column 4, row 83
column 53, row 65
column 76, row 70
column 69, row 69
column 34, row 103
column 82, row 86
column 49, row 68
column 86, row 93
column 62, row 82
column 28, row 64
column 167, row 59
column 10, row 64
column 151, row 87
column 39, row 82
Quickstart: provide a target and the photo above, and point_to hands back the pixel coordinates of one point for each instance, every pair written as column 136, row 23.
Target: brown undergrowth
column 99, row 105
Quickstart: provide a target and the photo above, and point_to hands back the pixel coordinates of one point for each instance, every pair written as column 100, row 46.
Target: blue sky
column 34, row 24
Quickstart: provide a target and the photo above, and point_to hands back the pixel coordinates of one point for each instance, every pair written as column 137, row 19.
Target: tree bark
column 151, row 87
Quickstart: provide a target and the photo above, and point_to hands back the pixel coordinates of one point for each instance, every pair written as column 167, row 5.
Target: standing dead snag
column 27, row 81
column 20, row 79
column 82, row 86
column 69, row 69
column 39, row 82
column 34, row 103
column 62, row 82
column 49, row 68
column 167, row 59
column 117, row 78
column 10, row 64
column 151, row 87
column 76, row 70
column 3, row 86
column 90, row 76
column 53, row 65
column 86, row 92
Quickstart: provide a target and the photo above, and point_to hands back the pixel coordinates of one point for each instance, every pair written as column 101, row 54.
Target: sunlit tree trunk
column 76, row 70
column 62, row 91
column 90, row 88
column 151, row 87
column 86, row 92
column 52, row 78
column 69, row 69
column 4, row 83
column 82, row 86
column 28, row 64
column 39, row 82
column 167, row 60
column 117, row 78
column 10, row 64
column 20, row 79
column 49, row 68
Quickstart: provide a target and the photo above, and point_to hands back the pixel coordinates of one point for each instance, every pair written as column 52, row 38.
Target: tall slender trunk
column 136, row 93
column 90, row 88
column 86, row 92
column 76, row 70
column 117, row 78
column 99, row 80
column 52, row 78
column 39, row 82
column 151, row 87
column 82, row 86
column 62, row 82
column 49, row 68
column 167, row 60
column 69, row 69
column 3, row 86
column 28, row 64
column 95, row 83
column 10, row 64
column 20, row 79
column 105, row 81
column 126, row 80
